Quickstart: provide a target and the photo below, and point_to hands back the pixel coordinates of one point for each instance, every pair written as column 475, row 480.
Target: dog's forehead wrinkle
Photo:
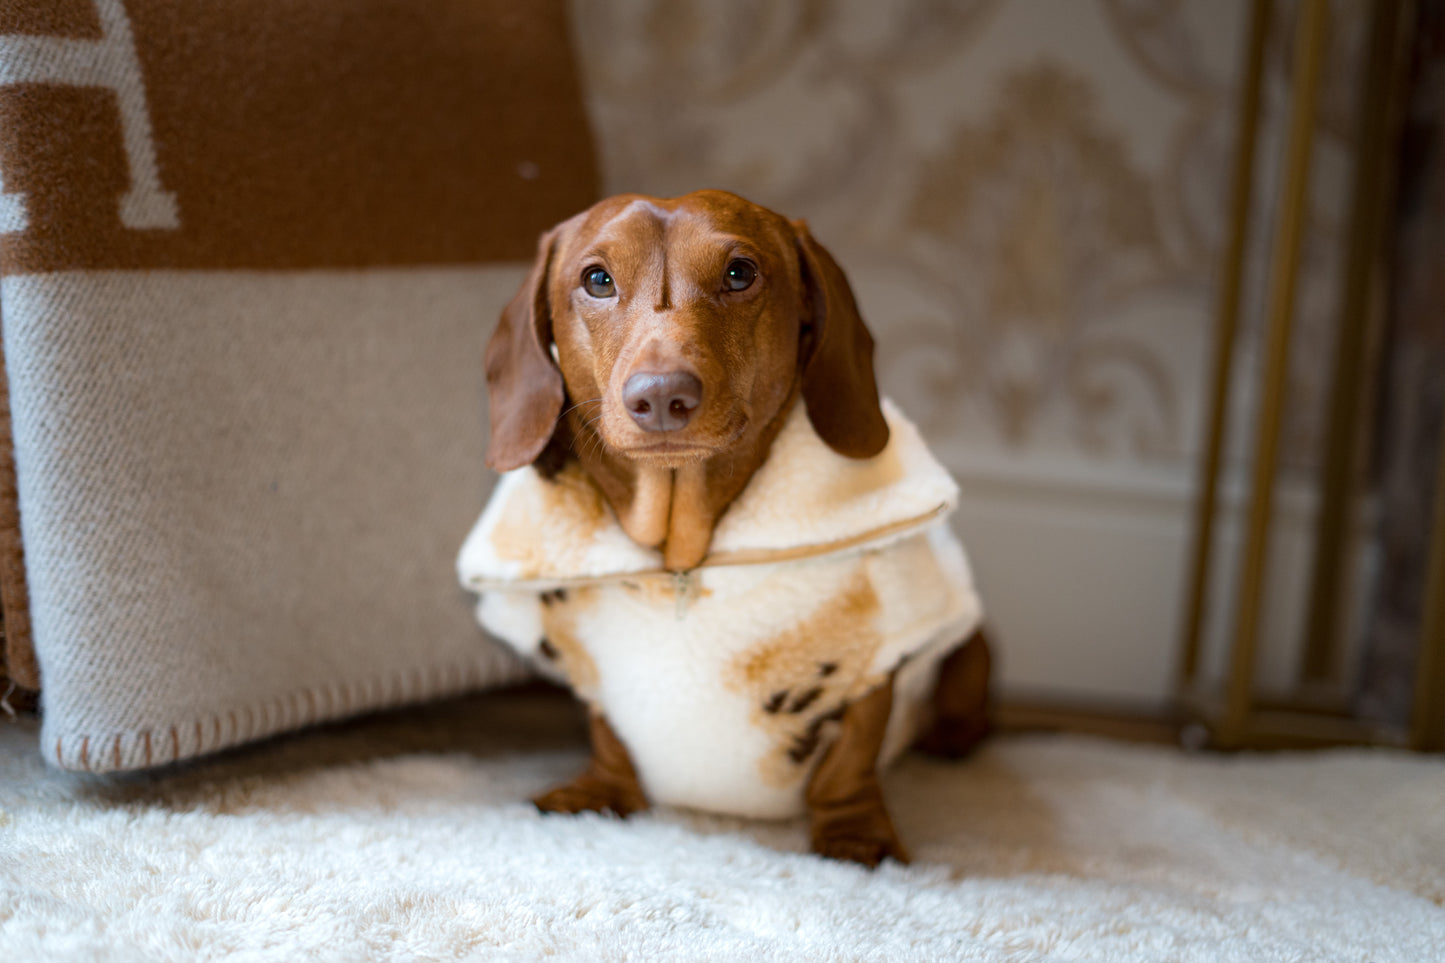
column 663, row 300
column 623, row 235
column 639, row 214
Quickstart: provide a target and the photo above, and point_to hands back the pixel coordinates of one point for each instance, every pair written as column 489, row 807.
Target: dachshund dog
column 677, row 382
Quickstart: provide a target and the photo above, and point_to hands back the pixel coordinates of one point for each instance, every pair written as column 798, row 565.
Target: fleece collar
column 805, row 500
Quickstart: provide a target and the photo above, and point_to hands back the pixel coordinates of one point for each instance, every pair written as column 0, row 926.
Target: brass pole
column 1370, row 190
column 1225, row 335
column 1309, row 48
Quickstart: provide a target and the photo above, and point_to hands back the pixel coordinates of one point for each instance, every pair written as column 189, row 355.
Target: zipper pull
column 682, row 589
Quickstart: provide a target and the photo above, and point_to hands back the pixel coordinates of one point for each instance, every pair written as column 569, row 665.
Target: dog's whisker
column 585, row 401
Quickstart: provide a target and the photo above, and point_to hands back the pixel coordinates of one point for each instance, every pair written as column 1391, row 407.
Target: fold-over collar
column 806, row 499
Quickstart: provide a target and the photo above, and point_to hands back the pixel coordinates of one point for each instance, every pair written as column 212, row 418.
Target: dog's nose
column 662, row 402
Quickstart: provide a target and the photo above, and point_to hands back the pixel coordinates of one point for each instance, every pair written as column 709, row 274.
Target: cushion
column 249, row 256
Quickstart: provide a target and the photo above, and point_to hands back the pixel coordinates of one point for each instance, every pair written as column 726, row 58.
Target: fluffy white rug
column 409, row 837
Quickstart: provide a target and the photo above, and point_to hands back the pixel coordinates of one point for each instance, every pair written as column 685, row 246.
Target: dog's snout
column 662, row 402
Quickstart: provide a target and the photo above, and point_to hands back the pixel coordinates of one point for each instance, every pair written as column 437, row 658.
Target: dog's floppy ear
column 524, row 385
column 838, row 384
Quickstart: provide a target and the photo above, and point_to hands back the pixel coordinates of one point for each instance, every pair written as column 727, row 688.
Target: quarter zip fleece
column 825, row 576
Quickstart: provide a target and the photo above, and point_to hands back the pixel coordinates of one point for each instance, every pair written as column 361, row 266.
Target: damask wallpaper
column 1030, row 198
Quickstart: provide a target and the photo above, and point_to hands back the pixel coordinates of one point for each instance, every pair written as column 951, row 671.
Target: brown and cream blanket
column 249, row 255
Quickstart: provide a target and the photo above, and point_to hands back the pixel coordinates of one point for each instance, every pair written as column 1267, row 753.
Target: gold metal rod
column 1309, row 48
column 1427, row 729
column 1271, row 730
column 1225, row 335
column 1370, row 190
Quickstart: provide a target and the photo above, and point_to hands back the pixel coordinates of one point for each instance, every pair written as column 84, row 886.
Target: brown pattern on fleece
column 800, row 680
column 560, row 610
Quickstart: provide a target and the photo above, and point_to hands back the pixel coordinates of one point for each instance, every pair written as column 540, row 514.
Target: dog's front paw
column 868, row 846
column 586, row 793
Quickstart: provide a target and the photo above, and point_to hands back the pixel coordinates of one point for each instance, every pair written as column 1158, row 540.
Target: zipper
column 683, row 585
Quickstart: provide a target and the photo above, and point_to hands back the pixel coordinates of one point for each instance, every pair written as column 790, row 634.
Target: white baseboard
column 1082, row 572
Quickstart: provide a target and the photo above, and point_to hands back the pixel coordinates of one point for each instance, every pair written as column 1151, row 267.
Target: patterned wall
column 1029, row 195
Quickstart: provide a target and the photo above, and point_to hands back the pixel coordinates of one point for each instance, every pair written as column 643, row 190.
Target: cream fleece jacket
column 724, row 683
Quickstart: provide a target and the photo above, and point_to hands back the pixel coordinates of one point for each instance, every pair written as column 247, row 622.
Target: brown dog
column 661, row 345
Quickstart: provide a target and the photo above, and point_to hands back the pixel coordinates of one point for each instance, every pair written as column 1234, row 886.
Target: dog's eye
column 598, row 283
column 740, row 275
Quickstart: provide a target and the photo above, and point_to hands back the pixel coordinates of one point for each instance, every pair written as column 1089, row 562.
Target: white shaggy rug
column 408, row 837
